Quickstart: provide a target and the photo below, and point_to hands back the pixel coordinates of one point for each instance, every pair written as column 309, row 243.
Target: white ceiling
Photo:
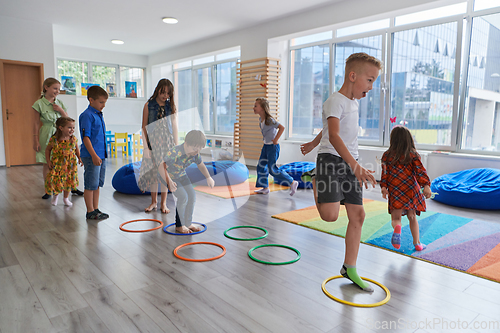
column 93, row 23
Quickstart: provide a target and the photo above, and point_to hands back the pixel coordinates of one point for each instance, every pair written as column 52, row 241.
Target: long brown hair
column 401, row 146
column 61, row 122
column 47, row 83
column 264, row 104
column 160, row 87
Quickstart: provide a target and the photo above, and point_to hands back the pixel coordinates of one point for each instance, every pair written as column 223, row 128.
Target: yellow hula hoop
column 372, row 305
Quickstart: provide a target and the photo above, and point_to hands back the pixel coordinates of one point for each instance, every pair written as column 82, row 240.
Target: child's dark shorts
column 336, row 182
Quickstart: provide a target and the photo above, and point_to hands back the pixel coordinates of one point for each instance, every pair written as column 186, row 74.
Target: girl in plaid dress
column 403, row 175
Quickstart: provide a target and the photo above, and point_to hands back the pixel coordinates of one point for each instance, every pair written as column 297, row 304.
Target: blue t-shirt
column 92, row 125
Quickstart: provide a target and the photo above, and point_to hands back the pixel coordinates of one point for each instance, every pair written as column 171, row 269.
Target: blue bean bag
column 222, row 172
column 473, row 188
column 296, row 169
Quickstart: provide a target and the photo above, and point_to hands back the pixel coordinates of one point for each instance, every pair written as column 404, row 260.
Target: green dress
column 48, row 117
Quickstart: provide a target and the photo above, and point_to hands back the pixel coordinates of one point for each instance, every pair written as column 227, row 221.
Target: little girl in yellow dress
column 62, row 155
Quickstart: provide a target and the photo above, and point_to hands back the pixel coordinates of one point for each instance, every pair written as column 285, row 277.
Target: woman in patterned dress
column 159, row 130
column 402, row 177
column 62, row 154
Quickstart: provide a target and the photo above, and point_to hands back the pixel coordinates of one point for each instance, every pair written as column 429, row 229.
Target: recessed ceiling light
column 117, row 41
column 170, row 20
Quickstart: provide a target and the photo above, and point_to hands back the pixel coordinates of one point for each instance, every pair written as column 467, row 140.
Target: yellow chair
column 124, row 144
column 136, row 146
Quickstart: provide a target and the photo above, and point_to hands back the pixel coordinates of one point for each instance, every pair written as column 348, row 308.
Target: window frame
column 117, row 67
column 456, row 82
column 213, row 66
column 471, row 14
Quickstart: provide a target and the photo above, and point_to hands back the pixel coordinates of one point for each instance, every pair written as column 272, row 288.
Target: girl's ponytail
column 264, row 104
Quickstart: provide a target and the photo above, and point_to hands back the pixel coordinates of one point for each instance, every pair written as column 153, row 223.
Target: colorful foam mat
column 239, row 190
column 464, row 244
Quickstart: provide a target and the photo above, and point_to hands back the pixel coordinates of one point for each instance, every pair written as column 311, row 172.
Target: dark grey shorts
column 336, row 182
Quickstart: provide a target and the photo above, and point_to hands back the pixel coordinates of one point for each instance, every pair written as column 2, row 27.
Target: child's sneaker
column 420, row 247
column 103, row 215
column 96, row 215
column 396, row 237
column 54, row 200
column 67, row 202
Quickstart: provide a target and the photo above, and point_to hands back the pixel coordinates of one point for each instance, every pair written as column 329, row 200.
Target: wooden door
column 21, row 84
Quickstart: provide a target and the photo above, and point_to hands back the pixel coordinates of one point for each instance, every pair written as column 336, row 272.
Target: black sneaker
column 46, row 196
column 92, row 216
column 77, row 192
column 103, row 215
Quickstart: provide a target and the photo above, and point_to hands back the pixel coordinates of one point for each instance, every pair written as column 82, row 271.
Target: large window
column 310, row 87
column 481, row 123
column 441, row 77
column 73, row 73
column 422, row 85
column 208, row 90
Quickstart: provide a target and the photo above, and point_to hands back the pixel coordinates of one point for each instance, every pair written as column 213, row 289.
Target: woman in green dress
column 48, row 109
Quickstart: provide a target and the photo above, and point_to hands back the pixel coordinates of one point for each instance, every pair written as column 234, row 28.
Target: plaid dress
column 403, row 181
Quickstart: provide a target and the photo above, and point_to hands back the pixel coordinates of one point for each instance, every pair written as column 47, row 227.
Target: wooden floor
column 60, row 273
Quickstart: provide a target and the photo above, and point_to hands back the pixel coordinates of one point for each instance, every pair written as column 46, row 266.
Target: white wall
column 120, row 114
column 108, row 57
column 23, row 40
column 254, row 40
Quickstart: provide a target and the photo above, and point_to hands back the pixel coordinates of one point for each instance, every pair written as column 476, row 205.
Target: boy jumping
column 339, row 177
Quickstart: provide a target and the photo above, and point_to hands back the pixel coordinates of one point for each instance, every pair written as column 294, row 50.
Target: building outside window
column 422, row 85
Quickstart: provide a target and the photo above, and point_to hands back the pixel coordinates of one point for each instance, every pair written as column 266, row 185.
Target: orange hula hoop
column 199, row 260
column 145, row 230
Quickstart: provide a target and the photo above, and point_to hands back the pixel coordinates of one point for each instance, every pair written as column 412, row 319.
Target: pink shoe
column 67, row 202
column 420, row 247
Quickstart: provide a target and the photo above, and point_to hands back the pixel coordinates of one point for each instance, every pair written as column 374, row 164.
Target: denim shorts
column 93, row 177
column 336, row 182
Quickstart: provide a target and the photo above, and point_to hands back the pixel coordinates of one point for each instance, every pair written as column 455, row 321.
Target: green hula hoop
column 246, row 239
column 274, row 263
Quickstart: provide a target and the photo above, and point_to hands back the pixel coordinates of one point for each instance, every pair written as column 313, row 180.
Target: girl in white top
column 271, row 132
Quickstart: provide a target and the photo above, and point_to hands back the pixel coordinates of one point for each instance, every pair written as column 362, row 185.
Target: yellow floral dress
column 64, row 173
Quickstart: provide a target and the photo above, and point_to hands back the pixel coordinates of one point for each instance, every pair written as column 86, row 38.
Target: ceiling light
column 170, row 20
column 117, row 41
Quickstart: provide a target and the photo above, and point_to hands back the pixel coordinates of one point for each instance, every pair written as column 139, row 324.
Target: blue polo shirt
column 92, row 125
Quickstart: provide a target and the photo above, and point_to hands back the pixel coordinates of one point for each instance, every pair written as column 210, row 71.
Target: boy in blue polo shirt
column 93, row 150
